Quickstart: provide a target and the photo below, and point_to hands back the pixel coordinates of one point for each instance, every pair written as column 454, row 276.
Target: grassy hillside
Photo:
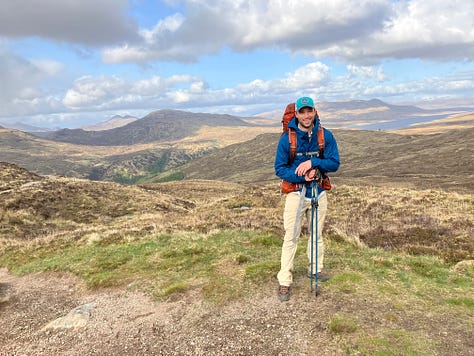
column 367, row 158
column 125, row 164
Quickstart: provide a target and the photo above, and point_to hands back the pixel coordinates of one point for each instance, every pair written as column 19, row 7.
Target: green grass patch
column 241, row 258
column 464, row 301
column 341, row 324
column 395, row 343
column 169, row 177
column 262, row 270
column 226, row 263
column 170, row 263
column 266, row 241
column 347, row 282
column 178, row 287
column 408, row 280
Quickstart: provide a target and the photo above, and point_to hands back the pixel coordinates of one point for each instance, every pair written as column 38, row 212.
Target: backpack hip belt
column 288, row 187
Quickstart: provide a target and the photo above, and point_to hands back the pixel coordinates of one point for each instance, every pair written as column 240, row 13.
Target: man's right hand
column 303, row 168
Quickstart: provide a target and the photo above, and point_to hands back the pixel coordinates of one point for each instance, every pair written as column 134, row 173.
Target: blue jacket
column 286, row 171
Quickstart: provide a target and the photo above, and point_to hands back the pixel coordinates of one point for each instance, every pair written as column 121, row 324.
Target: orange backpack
column 288, row 115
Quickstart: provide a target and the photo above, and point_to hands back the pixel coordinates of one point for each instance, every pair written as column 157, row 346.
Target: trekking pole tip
column 317, row 292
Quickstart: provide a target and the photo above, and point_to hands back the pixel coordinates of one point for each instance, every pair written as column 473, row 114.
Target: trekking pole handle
column 313, row 175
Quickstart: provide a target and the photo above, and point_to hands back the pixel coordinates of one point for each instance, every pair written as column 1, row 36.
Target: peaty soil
column 127, row 322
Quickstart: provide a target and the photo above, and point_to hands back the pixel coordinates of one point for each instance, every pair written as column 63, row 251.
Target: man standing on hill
column 298, row 172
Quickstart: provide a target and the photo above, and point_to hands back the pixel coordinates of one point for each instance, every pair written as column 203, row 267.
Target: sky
column 72, row 63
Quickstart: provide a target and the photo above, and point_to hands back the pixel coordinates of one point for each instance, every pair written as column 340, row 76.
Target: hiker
column 297, row 173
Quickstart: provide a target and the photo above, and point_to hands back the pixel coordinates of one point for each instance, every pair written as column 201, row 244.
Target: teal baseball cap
column 304, row 101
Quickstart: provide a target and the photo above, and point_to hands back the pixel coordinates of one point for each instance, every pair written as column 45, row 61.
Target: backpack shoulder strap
column 321, row 139
column 293, row 141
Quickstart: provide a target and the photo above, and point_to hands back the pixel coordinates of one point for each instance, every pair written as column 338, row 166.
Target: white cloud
column 48, row 67
column 356, row 31
column 204, row 30
column 179, row 96
column 85, row 22
column 430, row 30
column 198, row 87
column 309, row 76
column 20, row 90
column 414, row 90
column 366, row 72
column 362, row 34
column 90, row 91
column 170, row 24
column 112, row 93
column 351, row 30
column 108, row 92
column 183, row 91
column 430, row 22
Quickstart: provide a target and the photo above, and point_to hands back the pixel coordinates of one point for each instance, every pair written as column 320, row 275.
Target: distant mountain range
column 172, row 125
column 24, row 127
column 114, row 122
column 158, row 126
column 363, row 114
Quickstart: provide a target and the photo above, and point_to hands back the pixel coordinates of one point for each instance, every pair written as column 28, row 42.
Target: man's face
column 306, row 116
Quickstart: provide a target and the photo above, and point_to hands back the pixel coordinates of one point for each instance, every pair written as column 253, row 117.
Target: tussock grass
column 236, row 259
column 420, row 222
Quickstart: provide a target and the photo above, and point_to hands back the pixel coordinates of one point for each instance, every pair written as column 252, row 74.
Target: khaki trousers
column 288, row 250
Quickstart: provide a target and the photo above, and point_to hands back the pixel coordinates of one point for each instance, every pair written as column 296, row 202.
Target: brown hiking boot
column 284, row 293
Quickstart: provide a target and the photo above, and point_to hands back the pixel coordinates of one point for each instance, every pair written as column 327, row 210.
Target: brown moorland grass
column 414, row 221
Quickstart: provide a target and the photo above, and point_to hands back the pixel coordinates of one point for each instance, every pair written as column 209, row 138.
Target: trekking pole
column 314, row 220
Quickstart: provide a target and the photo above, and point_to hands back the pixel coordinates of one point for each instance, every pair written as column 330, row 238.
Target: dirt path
column 125, row 322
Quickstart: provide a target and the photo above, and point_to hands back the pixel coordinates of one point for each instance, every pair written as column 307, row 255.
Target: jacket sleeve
column 282, row 169
column 331, row 161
